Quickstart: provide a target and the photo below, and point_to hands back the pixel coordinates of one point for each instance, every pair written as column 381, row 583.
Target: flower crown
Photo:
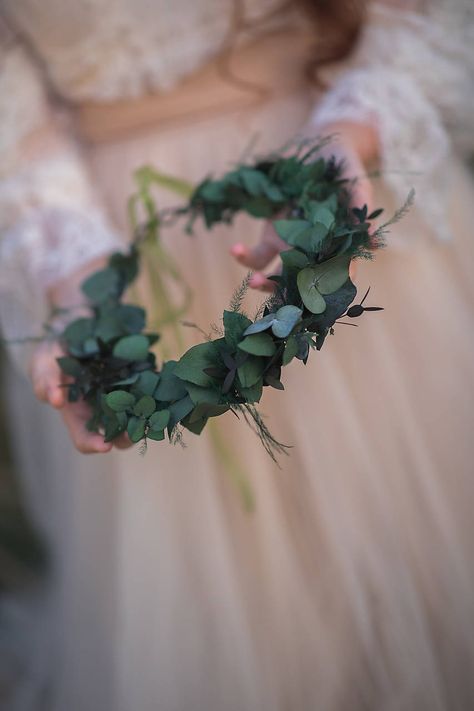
column 109, row 356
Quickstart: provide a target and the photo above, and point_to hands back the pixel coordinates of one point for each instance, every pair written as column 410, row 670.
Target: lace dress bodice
column 412, row 76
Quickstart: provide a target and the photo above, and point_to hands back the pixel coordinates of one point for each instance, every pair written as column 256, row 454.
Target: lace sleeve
column 413, row 78
column 50, row 223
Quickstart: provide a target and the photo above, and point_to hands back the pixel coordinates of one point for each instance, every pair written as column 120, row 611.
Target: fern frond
column 239, row 294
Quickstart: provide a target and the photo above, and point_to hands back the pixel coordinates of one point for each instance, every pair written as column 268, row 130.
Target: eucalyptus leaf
column 199, row 394
column 157, row 435
column 253, row 181
column 109, row 325
column 259, row 207
column 336, row 305
column 290, row 351
column 308, row 290
column 294, row 259
column 70, row 366
column 132, row 318
column 159, row 420
column 136, row 429
column 260, row 344
column 251, row 371
column 179, row 409
column 285, row 320
column 79, row 331
column 128, row 381
column 205, row 410
column 192, row 364
column 147, row 382
column 145, row 406
column 170, row 387
column 91, row 346
column 274, row 382
column 213, row 191
column 120, row 400
column 322, row 215
column 132, row 348
column 332, row 274
column 253, row 393
column 195, row 427
column 260, row 325
column 289, row 230
column 102, row 285
column 235, row 324
column 112, row 429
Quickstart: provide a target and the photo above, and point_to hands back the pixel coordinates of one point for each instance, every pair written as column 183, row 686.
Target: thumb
column 46, row 375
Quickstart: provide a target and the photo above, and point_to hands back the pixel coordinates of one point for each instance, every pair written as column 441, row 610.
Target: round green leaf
column 147, row 382
column 318, row 234
column 136, row 429
column 291, row 349
column 285, row 320
column 192, row 364
column 157, row 435
column 120, row 400
column 331, row 275
column 253, row 181
column 102, row 285
column 159, row 420
column 320, row 214
column 169, row 387
column 132, row 348
column 235, row 324
column 293, row 258
column 310, row 295
column 91, row 346
column 199, row 394
column 78, row 331
column 254, row 393
column 259, row 207
column 132, row 317
column 260, row 344
column 251, row 371
column 70, row 366
column 145, row 406
column 261, row 325
column 179, row 410
column 194, row 427
column 291, row 230
column 205, row 410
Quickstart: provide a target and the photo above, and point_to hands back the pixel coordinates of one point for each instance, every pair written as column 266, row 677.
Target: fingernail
column 104, row 447
column 238, row 250
column 55, row 398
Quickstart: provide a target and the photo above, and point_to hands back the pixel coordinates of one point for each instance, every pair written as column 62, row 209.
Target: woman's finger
column 254, row 257
column 123, row 441
column 260, row 282
column 76, row 416
column 362, row 193
column 46, row 375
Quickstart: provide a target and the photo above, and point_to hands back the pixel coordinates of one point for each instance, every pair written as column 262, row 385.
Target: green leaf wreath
column 109, row 356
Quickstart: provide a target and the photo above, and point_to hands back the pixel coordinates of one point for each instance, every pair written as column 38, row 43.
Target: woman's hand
column 49, row 386
column 49, row 382
column 353, row 143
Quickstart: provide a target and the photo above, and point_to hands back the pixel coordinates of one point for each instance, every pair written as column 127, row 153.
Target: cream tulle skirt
column 351, row 586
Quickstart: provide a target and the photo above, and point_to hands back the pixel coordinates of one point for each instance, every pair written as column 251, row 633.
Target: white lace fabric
column 50, row 221
column 412, row 78
column 51, row 227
